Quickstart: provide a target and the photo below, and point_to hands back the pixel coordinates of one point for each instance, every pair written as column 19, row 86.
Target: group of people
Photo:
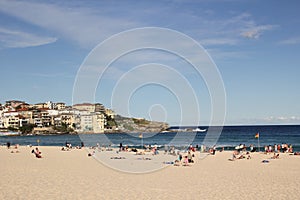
column 15, row 148
column 68, row 146
column 184, row 161
column 284, row 148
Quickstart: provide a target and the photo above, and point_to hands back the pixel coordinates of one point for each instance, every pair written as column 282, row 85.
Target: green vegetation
column 10, row 128
column 140, row 121
column 63, row 128
column 110, row 122
column 27, row 128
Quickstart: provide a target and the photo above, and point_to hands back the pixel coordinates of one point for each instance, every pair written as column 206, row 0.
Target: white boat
column 199, row 130
column 9, row 133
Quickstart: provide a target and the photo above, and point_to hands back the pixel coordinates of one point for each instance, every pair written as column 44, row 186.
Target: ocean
column 230, row 137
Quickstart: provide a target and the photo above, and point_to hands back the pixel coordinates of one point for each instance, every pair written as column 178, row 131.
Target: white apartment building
column 90, row 122
column 11, row 119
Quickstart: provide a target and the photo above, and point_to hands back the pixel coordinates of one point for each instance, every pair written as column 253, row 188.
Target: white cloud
column 256, row 31
column 86, row 26
column 14, row 39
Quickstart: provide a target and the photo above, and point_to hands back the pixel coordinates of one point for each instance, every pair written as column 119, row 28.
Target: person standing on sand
column 278, row 147
column 8, row 145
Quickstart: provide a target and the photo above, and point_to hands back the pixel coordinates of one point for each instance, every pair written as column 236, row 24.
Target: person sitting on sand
column 176, row 162
column 185, row 161
column 275, row 156
column 234, row 154
column 190, row 157
column 37, row 153
column 237, row 155
column 248, row 157
column 154, row 150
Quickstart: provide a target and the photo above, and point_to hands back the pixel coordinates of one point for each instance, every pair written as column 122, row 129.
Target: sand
column 74, row 175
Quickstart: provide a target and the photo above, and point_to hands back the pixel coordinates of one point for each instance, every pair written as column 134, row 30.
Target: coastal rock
column 135, row 125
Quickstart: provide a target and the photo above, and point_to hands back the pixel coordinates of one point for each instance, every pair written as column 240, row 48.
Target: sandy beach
column 75, row 175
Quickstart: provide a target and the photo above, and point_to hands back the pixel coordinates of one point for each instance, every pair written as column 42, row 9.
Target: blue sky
column 254, row 44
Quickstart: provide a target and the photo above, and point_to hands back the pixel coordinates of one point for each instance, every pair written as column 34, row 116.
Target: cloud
column 16, row 39
column 256, row 31
column 89, row 23
column 290, row 41
column 85, row 26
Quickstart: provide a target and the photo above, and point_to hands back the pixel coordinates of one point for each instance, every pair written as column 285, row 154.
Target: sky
column 254, row 46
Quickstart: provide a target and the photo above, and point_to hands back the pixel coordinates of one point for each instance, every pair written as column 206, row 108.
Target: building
column 90, row 122
column 13, row 103
column 83, row 118
column 85, row 107
column 60, row 106
column 99, row 107
column 11, row 119
column 110, row 113
column 40, row 105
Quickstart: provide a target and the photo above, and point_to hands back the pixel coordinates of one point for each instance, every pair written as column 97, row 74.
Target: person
column 278, row 148
column 166, row 149
column 37, row 152
column 270, row 148
column 179, row 157
column 8, row 145
column 186, row 161
column 290, row 149
column 176, row 162
column 234, row 154
column 266, row 149
column 283, row 147
column 121, row 146
column 222, row 149
column 190, row 157
column 248, row 155
column 214, row 149
column 154, row 150
column 275, row 156
column 252, row 148
column 82, row 144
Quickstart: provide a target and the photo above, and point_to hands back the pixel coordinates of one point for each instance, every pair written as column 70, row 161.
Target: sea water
column 230, row 137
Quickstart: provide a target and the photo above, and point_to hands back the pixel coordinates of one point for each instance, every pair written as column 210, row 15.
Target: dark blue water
column 230, row 137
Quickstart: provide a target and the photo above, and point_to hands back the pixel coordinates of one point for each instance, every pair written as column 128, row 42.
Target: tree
column 27, row 128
